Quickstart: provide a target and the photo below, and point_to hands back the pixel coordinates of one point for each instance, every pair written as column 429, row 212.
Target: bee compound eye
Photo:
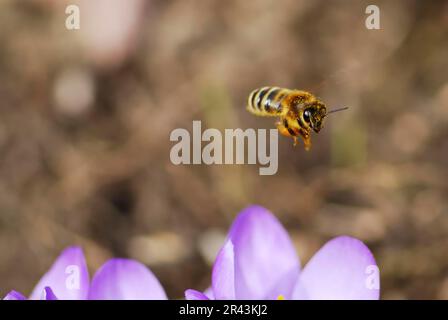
column 306, row 115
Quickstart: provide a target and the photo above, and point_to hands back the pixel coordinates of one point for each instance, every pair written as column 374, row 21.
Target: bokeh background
column 86, row 117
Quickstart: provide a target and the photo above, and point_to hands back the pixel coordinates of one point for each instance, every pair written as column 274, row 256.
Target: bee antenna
column 337, row 110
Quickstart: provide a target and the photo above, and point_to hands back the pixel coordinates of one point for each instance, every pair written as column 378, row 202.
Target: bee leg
column 288, row 133
column 307, row 143
column 296, row 141
column 306, row 137
column 282, row 129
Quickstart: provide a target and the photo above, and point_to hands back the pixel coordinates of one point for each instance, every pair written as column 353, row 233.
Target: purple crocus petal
column 209, row 293
column 191, row 294
column 223, row 275
column 266, row 262
column 344, row 268
column 14, row 295
column 68, row 277
column 124, row 279
column 48, row 294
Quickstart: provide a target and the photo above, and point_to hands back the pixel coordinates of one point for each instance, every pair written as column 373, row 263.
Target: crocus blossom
column 119, row 279
column 14, row 295
column 259, row 261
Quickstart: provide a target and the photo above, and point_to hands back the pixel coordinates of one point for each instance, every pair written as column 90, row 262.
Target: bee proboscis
column 299, row 111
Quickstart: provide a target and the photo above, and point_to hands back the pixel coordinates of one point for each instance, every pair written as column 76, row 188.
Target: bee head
column 313, row 114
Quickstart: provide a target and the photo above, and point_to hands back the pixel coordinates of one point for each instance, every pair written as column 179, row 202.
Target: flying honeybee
column 299, row 111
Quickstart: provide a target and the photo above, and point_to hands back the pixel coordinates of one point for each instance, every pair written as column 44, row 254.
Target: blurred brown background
column 86, row 117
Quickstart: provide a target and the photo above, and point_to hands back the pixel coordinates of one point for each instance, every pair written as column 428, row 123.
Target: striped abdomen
column 267, row 101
